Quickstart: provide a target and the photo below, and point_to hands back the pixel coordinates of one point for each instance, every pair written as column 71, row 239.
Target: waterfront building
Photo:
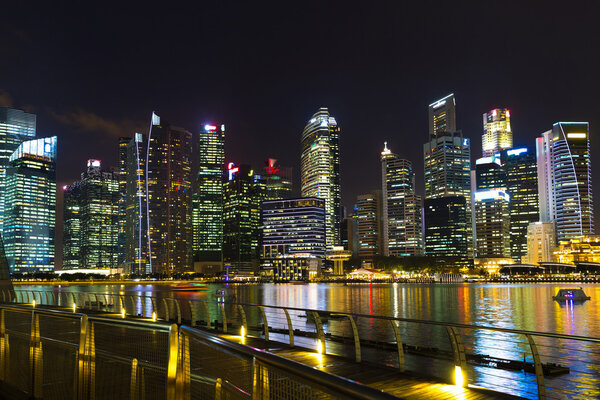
column 296, row 267
column 490, row 173
column 122, row 178
column 564, row 179
column 447, row 159
column 293, row 234
column 243, row 194
column 442, row 116
column 541, row 243
column 30, row 206
column 96, row 200
column 207, row 218
column 497, row 134
column 401, row 208
column 522, row 187
column 579, row 250
column 320, row 168
column 493, row 223
column 446, row 230
column 136, row 227
column 71, row 226
column 278, row 181
column 169, row 198
column 368, row 219
column 16, row 126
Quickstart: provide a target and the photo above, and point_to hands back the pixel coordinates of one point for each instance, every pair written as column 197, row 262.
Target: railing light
column 243, row 332
column 153, row 316
column 74, row 307
column 458, row 376
column 319, row 347
column 123, row 313
column 33, row 304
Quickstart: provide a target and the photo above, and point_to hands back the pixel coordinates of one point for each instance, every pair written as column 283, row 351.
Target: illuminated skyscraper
column 447, row 175
column 320, row 168
column 16, row 126
column 208, row 195
column 244, row 192
column 91, row 212
column 30, row 206
column 565, row 179
column 278, row 180
column 122, row 177
column 368, row 219
column 71, row 226
column 401, row 208
column 442, row 116
column 493, row 223
column 522, row 187
column 136, row 227
column 169, row 198
column 497, row 135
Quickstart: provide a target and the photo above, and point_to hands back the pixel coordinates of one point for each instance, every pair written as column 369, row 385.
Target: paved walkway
column 403, row 385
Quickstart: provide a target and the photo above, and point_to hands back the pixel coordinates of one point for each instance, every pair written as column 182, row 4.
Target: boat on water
column 576, row 294
column 191, row 287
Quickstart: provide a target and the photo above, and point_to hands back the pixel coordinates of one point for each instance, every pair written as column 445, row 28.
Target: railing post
column 192, row 315
column 320, row 332
column 133, row 308
column 260, row 382
column 134, row 393
column 4, row 350
column 356, row 338
column 178, row 310
column 399, row 345
column 36, row 363
column 166, row 309
column 122, row 301
column 154, row 308
column 74, row 300
column 290, row 327
column 224, row 317
column 183, row 368
column 207, row 312
column 86, row 360
column 243, row 317
column 218, row 394
column 458, row 352
column 172, row 364
column 539, row 371
column 265, row 322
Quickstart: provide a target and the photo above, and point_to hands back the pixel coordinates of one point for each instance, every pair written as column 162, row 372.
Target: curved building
column 320, row 169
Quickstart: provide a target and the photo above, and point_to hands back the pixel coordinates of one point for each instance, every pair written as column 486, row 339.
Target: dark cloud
column 87, row 122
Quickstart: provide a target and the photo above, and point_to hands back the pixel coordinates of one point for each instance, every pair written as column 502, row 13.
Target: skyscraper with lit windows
column 401, row 208
column 565, row 179
column 368, row 217
column 207, row 217
column 121, row 174
column 320, row 168
column 30, row 206
column 71, row 225
column 16, row 126
column 442, row 116
column 497, row 134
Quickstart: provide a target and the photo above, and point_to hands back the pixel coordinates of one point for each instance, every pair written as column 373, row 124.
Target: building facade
column 369, row 225
column 71, row 225
column 493, row 223
column 442, row 116
column 497, row 134
column 122, row 177
column 401, row 208
column 30, row 206
column 565, row 180
column 320, row 168
column 278, row 181
column 541, row 243
column 522, row 187
column 16, row 126
column 446, row 230
column 208, row 195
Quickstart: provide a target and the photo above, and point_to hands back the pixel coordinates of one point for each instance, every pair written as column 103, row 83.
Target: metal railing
column 64, row 354
column 529, row 364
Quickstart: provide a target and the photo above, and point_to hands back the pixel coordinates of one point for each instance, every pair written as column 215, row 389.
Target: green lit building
column 30, row 206
column 207, row 212
column 96, row 202
column 71, row 226
column 16, row 126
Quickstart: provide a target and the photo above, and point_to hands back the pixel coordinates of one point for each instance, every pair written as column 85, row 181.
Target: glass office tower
column 497, row 134
column 16, row 126
column 207, row 217
column 71, row 226
column 30, row 206
column 320, row 168
column 136, row 227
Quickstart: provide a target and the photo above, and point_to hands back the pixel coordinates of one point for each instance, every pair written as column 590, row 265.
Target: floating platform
column 571, row 295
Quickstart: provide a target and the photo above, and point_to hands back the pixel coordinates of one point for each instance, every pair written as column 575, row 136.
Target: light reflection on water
column 517, row 306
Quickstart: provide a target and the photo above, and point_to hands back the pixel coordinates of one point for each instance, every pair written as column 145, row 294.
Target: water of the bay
column 516, row 306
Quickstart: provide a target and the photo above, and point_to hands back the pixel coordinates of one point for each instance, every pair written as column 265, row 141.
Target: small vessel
column 191, row 287
column 571, row 294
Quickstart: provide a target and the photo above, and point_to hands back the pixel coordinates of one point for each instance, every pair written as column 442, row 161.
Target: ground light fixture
column 33, row 303
column 320, row 346
column 153, row 316
column 123, row 313
column 74, row 307
column 458, row 376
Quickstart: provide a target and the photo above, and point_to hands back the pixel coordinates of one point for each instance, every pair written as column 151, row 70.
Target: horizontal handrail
column 333, row 382
column 382, row 317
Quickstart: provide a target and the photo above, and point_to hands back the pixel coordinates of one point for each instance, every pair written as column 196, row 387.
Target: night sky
column 94, row 73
